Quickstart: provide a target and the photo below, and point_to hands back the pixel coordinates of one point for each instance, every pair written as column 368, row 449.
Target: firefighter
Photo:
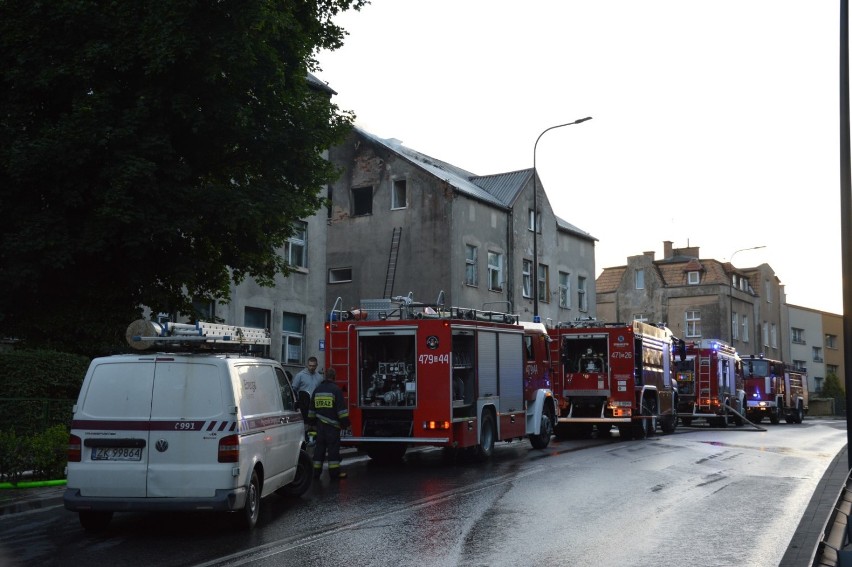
column 328, row 412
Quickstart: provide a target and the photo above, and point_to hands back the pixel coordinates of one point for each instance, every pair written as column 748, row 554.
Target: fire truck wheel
column 542, row 439
column 738, row 419
column 800, row 413
column 669, row 423
column 486, row 437
column 775, row 416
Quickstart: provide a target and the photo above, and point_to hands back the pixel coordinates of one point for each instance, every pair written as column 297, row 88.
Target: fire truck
column 775, row 389
column 424, row 375
column 709, row 383
column 613, row 374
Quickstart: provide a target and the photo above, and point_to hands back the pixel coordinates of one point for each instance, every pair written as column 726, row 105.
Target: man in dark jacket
column 329, row 413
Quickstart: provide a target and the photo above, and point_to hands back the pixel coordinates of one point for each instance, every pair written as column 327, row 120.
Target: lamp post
column 731, row 292
column 534, row 275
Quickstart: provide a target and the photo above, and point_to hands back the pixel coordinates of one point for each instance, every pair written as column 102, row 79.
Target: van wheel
column 247, row 517
column 95, row 521
column 304, row 477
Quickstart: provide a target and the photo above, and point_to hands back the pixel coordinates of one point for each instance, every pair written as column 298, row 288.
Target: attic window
column 693, row 278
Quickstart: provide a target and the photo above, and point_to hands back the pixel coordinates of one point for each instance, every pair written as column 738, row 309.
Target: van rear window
column 120, row 390
column 186, row 390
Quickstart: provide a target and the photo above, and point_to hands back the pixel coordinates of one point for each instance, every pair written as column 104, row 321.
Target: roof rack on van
column 143, row 335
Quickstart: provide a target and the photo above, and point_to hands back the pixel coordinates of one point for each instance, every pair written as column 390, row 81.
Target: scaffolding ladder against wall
column 394, row 254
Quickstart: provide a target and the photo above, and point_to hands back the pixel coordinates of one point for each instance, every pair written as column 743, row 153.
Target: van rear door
column 112, row 419
column 188, row 418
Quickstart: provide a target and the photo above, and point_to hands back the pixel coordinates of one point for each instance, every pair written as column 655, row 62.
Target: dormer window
column 693, row 278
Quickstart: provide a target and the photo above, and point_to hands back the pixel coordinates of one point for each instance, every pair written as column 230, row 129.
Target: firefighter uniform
column 329, row 413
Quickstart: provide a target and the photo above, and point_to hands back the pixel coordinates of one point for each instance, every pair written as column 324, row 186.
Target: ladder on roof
column 394, row 253
column 702, row 390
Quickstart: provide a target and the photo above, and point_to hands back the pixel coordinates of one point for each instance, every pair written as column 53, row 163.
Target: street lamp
column 731, row 292
column 536, row 318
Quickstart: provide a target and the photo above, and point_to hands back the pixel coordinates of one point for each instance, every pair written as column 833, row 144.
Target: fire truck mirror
column 681, row 349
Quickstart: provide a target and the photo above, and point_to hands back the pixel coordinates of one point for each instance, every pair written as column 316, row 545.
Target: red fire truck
column 709, row 383
column 775, row 389
column 613, row 374
column 417, row 374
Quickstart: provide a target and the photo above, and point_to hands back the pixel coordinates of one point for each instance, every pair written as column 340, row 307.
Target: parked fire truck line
column 613, row 374
column 425, row 374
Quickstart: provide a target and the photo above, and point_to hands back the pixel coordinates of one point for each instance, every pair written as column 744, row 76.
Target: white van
column 190, row 431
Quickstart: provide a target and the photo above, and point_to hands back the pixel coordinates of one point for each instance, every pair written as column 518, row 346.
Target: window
column 534, row 221
column 259, row 319
column 818, row 382
column 292, row 338
column 800, row 364
column 773, row 336
column 831, row 341
column 295, row 249
column 735, row 327
column 543, row 283
column 639, row 279
column 564, row 290
column 817, row 353
column 471, row 253
column 339, row 275
column 797, row 335
column 399, row 194
column 768, row 288
column 641, row 317
column 693, row 323
column 203, row 310
column 495, row 271
column 831, row 369
column 526, row 285
column 745, row 328
column 582, row 300
column 693, row 278
column 362, row 201
column 765, row 334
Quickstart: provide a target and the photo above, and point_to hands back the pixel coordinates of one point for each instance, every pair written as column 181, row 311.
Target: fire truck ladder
column 338, row 340
column 702, row 387
column 394, row 253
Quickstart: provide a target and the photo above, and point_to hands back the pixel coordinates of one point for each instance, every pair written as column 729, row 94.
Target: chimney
column 649, row 254
column 667, row 249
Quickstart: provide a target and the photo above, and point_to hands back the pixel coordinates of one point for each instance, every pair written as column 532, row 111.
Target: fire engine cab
column 613, row 374
column 425, row 375
column 709, row 383
column 775, row 389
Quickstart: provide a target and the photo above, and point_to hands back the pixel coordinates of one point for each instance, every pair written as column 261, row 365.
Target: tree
column 833, row 388
column 151, row 153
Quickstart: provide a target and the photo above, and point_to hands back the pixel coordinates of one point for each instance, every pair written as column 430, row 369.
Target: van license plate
column 117, row 454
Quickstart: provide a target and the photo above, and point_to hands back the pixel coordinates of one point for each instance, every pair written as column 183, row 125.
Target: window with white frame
column 693, row 278
column 296, row 247
column 765, row 328
column 292, row 338
column 773, row 335
column 544, row 283
column 693, row 323
column 471, row 271
column 735, row 327
column 639, row 279
column 797, row 335
column 641, row 317
column 534, row 222
column 745, row 328
column 564, row 290
column 526, row 285
column 399, row 194
column 495, row 271
column 582, row 300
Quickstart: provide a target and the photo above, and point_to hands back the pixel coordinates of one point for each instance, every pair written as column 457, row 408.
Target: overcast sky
column 715, row 123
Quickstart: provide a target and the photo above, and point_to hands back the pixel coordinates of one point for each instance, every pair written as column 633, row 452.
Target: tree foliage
column 151, row 153
column 833, row 388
